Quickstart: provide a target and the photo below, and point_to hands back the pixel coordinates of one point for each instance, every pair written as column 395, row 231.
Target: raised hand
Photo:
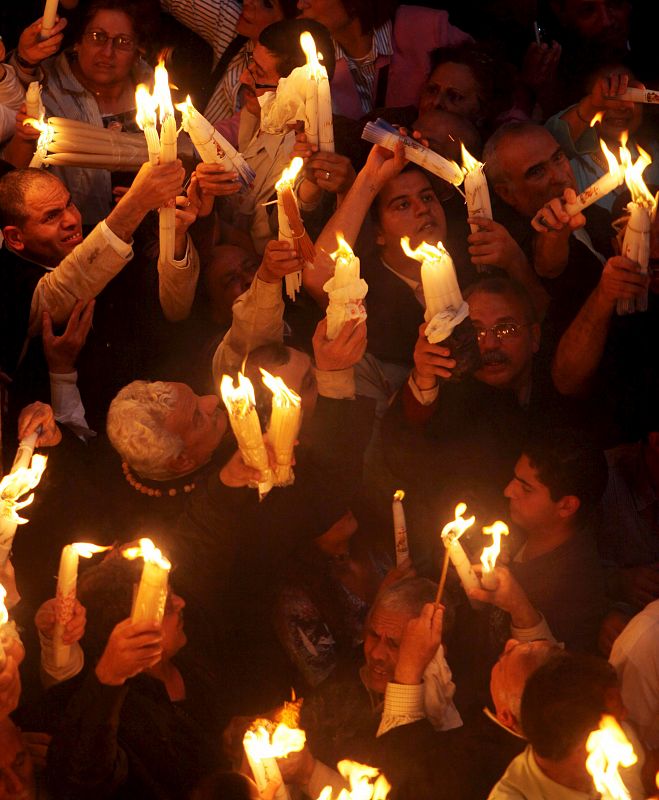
column 73, row 631
column 32, row 49
column 216, row 181
column 39, row 415
column 279, row 259
column 131, row 649
column 431, row 361
column 62, row 351
column 343, row 352
column 421, row 638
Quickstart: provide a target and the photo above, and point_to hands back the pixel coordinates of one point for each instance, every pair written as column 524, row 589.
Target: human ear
column 568, row 505
column 14, row 237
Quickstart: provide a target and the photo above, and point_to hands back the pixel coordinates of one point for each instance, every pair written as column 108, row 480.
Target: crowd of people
column 540, row 409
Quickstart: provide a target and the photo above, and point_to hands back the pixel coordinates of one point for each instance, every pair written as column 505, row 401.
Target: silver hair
column 135, row 427
column 510, row 130
column 407, row 596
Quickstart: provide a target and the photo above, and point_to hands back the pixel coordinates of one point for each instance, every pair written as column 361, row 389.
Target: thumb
column 47, row 326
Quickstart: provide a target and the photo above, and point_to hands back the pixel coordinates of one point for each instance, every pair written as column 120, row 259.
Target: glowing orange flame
column 469, row 163
column 343, row 254
column 4, row 614
column 491, row 552
column 149, row 552
column 424, row 252
column 614, row 167
column 259, row 743
column 87, row 550
column 161, row 93
column 633, row 175
column 454, row 529
column 282, row 396
column 599, row 116
column 240, row 399
column 146, row 105
column 289, row 173
column 608, row 749
column 399, row 494
column 366, row 783
column 17, row 483
column 308, row 46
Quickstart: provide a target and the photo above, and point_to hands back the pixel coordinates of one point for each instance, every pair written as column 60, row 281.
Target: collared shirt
column 363, row 70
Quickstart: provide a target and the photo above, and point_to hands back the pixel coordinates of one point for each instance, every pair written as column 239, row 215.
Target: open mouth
column 73, row 238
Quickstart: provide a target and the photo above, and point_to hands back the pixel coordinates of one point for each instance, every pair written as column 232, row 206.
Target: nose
column 70, row 217
column 379, row 651
column 489, row 341
column 419, row 207
column 178, row 602
column 209, row 403
column 509, row 491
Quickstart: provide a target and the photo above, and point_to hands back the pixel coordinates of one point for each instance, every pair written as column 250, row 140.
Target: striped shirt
column 215, row 21
column 363, row 70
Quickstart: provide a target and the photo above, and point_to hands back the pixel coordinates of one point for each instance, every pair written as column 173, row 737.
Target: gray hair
column 407, row 596
column 135, row 427
column 510, row 130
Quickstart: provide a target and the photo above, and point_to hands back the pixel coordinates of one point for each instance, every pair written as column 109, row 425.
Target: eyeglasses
column 251, row 64
column 120, row 42
column 502, row 330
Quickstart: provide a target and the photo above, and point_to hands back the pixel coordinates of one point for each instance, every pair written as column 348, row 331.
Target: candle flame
column 614, row 167
column 4, row 614
column 87, row 550
column 633, row 176
column 469, row 163
column 608, row 749
column 399, row 494
column 186, row 108
column 47, row 133
column 308, row 45
column 149, row 552
column 343, row 252
column 289, row 173
column 17, row 483
column 282, row 396
column 491, row 553
column 161, row 93
column 454, row 529
column 260, row 743
column 424, row 252
column 599, row 116
column 366, row 783
column 240, row 399
column 146, row 105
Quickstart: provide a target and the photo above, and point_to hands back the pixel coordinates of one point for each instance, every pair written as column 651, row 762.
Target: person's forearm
column 177, row 284
column 347, row 220
column 125, row 217
column 581, row 347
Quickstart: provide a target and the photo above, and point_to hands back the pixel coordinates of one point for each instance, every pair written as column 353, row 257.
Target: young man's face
column 531, row 505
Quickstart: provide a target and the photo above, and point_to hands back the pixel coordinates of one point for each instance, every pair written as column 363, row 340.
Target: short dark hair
column 371, row 15
column 14, row 187
column 568, row 462
column 502, row 285
column 142, row 13
column 376, row 206
column 282, row 39
column 563, row 702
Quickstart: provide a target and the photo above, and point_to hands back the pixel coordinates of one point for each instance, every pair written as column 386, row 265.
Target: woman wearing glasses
column 94, row 82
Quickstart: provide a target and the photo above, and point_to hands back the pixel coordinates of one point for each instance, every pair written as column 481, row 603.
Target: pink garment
column 229, row 128
column 417, row 32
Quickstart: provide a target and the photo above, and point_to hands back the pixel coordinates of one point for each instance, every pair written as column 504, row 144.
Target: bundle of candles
column 346, row 290
column 13, row 487
column 151, row 595
column 212, row 147
column 291, row 227
column 162, row 150
column 366, row 783
column 284, row 427
column 70, row 143
column 602, row 186
column 476, row 191
column 642, row 212
column 609, row 749
column 304, row 95
column 382, row 133
column 264, row 743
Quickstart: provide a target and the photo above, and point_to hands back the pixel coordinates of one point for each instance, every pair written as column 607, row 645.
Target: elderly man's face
column 16, row 771
column 199, row 423
column 536, row 171
column 506, row 337
column 382, row 637
column 53, row 227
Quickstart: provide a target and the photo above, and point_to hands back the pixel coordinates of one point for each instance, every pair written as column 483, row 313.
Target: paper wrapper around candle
column 451, row 534
column 285, row 420
column 384, row 134
column 400, row 528
column 246, row 427
column 263, row 745
column 151, row 595
column 609, row 749
column 346, row 290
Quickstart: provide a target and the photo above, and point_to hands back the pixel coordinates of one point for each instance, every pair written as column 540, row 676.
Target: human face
column 330, row 13
column 258, row 77
column 230, row 273
column 506, row 361
column 603, row 21
column 257, row 15
column 199, row 423
column 537, row 171
column 53, row 228
column 408, row 206
column 173, row 634
column 106, row 64
column 509, row 676
column 382, row 637
column 299, row 376
column 531, row 505
column 452, row 87
column 16, row 770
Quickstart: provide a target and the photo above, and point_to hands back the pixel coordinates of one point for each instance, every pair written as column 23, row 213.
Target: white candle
column 602, row 186
column 325, row 119
column 475, row 188
column 440, row 283
column 451, row 534
column 311, row 105
column 639, row 95
column 49, row 16
column 491, row 553
column 346, row 290
column 284, row 426
column 168, row 136
column 13, row 487
column 25, row 451
column 151, row 595
column 262, row 750
column 400, row 528
column 287, row 207
column 33, row 105
column 4, row 618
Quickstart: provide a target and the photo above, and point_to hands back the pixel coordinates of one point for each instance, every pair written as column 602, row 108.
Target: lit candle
column 42, row 142
column 146, row 106
column 491, row 553
column 637, row 95
column 382, row 133
column 319, row 127
column 4, row 619
column 33, row 106
column 168, row 135
column 366, row 783
column 49, row 16
column 20, row 480
column 400, row 528
column 241, row 407
column 642, row 210
column 284, row 427
column 608, row 749
column 291, row 227
column 346, row 290
column 151, row 595
column 475, row 188
column 263, row 748
column 67, row 580
column 445, row 307
column 602, row 186
column 451, row 534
